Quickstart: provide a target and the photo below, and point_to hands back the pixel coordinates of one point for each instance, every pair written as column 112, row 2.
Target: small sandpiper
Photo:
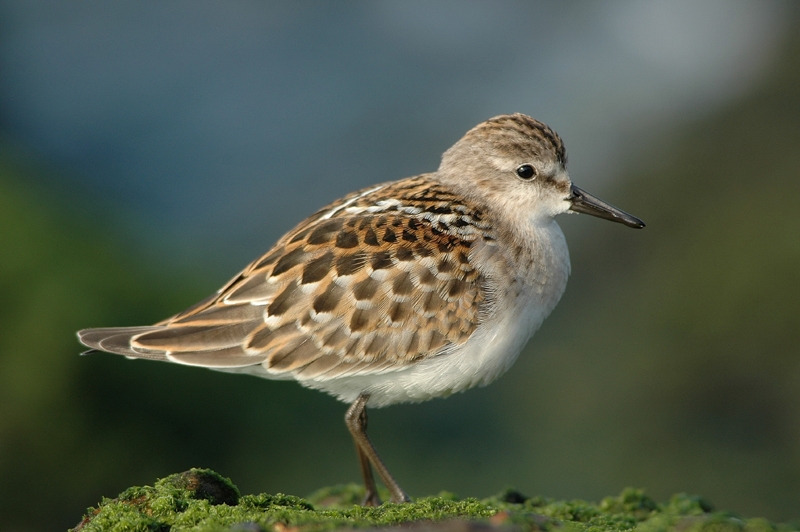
column 400, row 292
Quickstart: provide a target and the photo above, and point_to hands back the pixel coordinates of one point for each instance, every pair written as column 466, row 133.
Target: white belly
column 489, row 352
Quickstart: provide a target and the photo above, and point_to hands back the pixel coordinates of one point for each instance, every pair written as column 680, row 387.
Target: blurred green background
column 133, row 185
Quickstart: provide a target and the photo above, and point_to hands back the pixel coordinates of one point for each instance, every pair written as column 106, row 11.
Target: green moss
column 201, row 500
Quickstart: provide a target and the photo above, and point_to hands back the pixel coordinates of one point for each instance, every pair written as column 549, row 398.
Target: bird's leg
column 371, row 497
column 356, row 420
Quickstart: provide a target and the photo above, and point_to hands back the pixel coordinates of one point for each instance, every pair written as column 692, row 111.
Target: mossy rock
column 201, row 500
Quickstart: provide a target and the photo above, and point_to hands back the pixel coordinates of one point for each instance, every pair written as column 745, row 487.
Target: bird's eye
column 526, row 171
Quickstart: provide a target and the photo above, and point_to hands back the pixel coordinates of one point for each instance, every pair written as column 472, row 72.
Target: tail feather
column 117, row 340
column 183, row 345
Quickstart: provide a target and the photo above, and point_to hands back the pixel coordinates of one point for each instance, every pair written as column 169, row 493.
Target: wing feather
column 366, row 285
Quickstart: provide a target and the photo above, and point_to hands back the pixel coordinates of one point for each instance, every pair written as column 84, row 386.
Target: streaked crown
column 519, row 133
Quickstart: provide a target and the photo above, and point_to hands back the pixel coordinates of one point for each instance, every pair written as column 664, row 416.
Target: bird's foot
column 371, row 499
column 399, row 497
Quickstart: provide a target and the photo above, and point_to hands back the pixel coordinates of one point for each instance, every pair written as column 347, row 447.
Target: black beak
column 585, row 203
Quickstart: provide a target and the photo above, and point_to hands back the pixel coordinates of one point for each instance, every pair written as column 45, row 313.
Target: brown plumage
column 362, row 286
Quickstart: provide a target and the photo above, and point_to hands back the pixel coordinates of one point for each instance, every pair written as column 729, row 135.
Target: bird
column 399, row 292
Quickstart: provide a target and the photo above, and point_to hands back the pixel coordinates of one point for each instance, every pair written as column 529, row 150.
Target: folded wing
column 363, row 286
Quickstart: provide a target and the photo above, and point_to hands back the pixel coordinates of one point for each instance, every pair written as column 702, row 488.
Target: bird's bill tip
column 583, row 202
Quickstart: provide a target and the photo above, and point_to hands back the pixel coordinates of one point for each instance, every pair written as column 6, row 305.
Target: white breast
column 522, row 302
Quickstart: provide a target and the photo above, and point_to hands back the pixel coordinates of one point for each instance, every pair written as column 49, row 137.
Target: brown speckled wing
column 374, row 282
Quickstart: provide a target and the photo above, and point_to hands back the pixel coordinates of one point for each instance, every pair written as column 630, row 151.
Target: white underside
column 488, row 353
column 492, row 349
